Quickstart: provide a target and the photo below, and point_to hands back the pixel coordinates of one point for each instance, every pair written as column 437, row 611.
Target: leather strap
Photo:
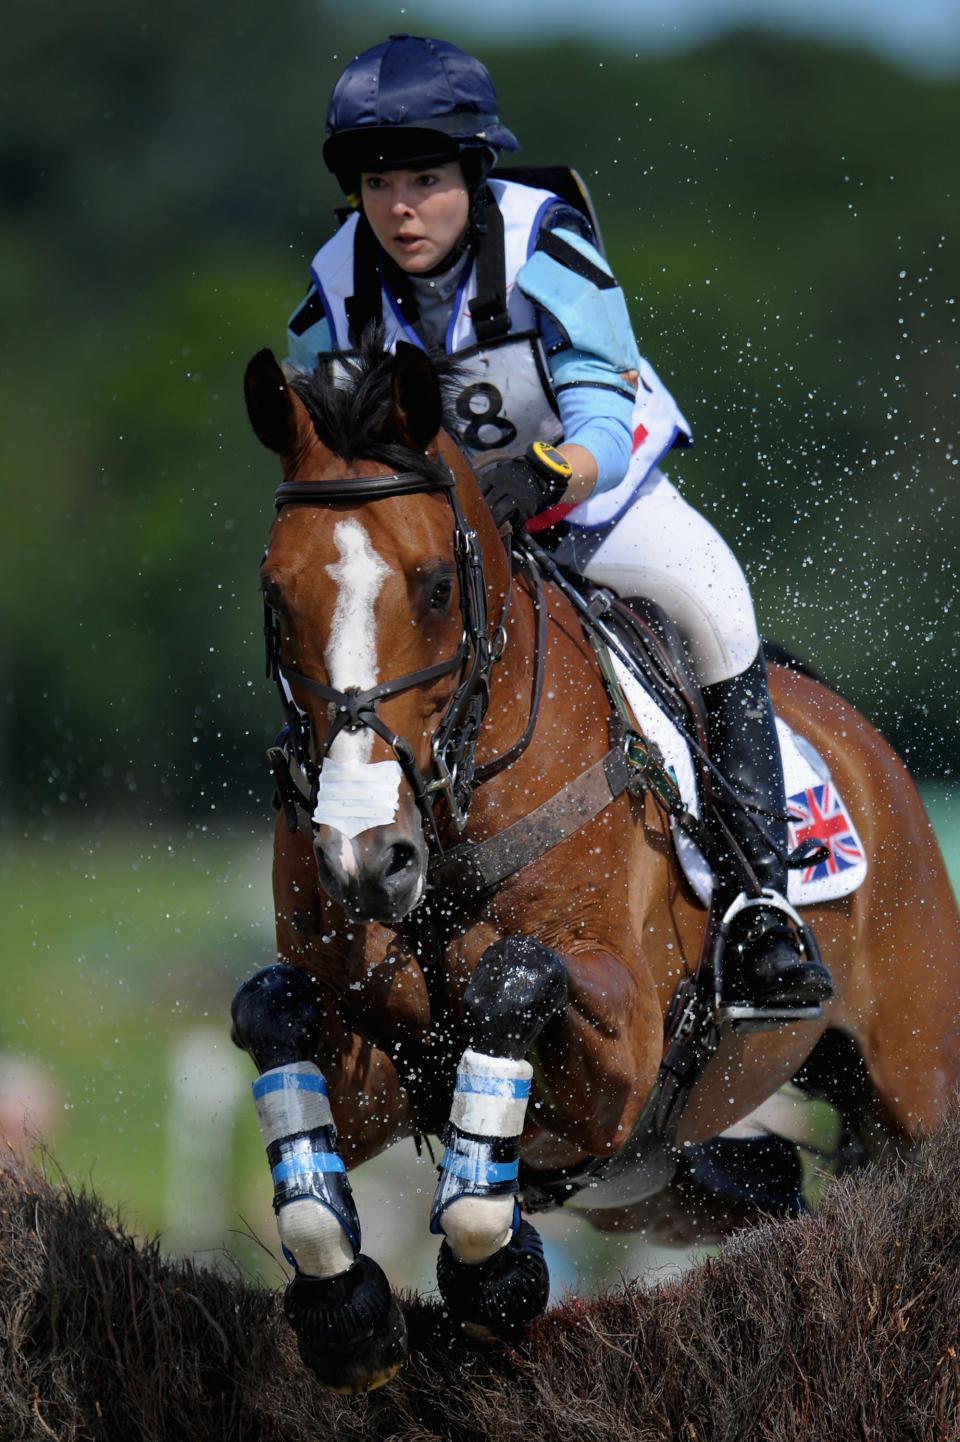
column 488, row 310
column 480, row 866
column 365, row 306
column 360, row 488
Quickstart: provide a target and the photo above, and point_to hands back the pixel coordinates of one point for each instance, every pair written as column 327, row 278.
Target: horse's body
column 610, row 899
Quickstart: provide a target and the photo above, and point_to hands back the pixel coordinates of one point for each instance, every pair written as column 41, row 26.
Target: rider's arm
column 591, row 352
column 595, row 409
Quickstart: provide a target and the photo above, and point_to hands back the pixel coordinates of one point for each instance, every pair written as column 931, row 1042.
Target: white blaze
column 355, row 793
column 351, row 656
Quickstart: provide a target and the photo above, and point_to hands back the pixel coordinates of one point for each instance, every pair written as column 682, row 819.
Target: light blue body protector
column 556, row 375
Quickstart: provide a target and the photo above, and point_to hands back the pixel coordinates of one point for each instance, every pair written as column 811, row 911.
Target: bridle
column 454, row 742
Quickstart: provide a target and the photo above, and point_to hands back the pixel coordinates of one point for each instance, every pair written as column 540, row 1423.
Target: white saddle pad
column 814, row 805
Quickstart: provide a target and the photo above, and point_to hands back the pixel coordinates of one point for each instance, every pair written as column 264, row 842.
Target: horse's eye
column 439, row 597
column 271, row 594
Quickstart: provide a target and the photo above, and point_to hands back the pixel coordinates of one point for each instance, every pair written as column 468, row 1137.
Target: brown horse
column 401, row 1006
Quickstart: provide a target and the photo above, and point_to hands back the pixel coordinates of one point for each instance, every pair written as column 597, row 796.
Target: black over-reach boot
column 769, row 973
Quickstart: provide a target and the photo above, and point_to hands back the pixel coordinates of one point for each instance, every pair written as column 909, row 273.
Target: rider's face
column 418, row 216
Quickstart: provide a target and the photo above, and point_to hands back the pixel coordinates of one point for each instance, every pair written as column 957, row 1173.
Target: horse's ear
column 271, row 405
column 416, row 410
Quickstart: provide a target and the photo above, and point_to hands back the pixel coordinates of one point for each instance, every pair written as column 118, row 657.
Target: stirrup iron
column 755, row 1016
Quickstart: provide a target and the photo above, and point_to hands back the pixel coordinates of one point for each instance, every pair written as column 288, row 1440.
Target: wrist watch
column 553, row 467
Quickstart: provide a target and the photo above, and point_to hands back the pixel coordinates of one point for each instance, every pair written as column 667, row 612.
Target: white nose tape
column 353, row 796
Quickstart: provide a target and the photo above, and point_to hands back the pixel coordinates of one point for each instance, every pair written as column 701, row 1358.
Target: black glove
column 516, row 490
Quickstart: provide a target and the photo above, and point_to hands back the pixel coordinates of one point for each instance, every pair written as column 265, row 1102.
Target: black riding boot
column 767, row 973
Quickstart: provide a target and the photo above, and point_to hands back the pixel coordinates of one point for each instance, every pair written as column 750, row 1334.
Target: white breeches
column 662, row 548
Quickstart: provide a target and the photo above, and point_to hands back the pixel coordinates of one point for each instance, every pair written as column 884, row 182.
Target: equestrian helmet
column 412, row 101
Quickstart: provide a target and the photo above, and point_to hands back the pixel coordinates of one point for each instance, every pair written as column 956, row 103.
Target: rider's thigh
column 662, row 548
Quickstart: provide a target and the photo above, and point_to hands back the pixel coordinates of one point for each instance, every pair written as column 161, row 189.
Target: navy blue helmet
column 412, row 101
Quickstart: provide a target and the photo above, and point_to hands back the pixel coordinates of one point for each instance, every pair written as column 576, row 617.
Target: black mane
column 350, row 414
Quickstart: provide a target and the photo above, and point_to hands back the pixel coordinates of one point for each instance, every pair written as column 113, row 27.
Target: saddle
column 660, row 660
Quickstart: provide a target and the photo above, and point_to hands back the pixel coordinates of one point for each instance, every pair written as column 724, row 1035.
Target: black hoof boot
column 768, row 973
column 502, row 1293
column 350, row 1331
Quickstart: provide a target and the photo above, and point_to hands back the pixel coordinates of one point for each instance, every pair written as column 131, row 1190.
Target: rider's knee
column 518, row 986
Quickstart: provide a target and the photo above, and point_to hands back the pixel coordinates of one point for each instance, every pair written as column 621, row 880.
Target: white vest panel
column 506, row 401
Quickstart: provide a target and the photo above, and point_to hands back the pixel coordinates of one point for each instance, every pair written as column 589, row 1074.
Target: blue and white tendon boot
column 490, row 1269
column 350, row 1331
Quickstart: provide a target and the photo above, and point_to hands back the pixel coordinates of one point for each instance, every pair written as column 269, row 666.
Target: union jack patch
column 819, row 812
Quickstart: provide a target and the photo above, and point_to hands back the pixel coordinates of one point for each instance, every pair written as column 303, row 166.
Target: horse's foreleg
column 490, row 1269
column 350, row 1331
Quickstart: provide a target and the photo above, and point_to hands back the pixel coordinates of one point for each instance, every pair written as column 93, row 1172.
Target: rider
column 554, row 404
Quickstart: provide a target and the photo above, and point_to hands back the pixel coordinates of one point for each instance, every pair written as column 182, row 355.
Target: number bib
column 504, row 400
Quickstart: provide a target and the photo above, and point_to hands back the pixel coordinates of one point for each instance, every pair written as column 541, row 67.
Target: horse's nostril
column 402, row 856
column 385, row 877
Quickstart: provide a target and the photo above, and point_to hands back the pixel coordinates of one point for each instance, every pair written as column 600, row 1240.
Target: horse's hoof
column 502, row 1293
column 350, row 1331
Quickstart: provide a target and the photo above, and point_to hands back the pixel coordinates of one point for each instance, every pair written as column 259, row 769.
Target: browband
column 355, row 488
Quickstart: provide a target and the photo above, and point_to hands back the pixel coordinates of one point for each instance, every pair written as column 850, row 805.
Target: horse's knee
column 518, row 986
column 278, row 1014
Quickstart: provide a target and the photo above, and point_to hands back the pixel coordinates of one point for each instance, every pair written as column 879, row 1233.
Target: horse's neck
column 509, row 602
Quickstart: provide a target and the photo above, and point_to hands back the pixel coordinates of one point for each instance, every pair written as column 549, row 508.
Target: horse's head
column 376, row 608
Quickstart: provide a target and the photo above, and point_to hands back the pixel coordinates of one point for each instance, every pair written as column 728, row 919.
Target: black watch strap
column 553, row 467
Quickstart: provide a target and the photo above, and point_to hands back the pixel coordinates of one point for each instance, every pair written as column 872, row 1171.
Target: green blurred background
column 782, row 214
